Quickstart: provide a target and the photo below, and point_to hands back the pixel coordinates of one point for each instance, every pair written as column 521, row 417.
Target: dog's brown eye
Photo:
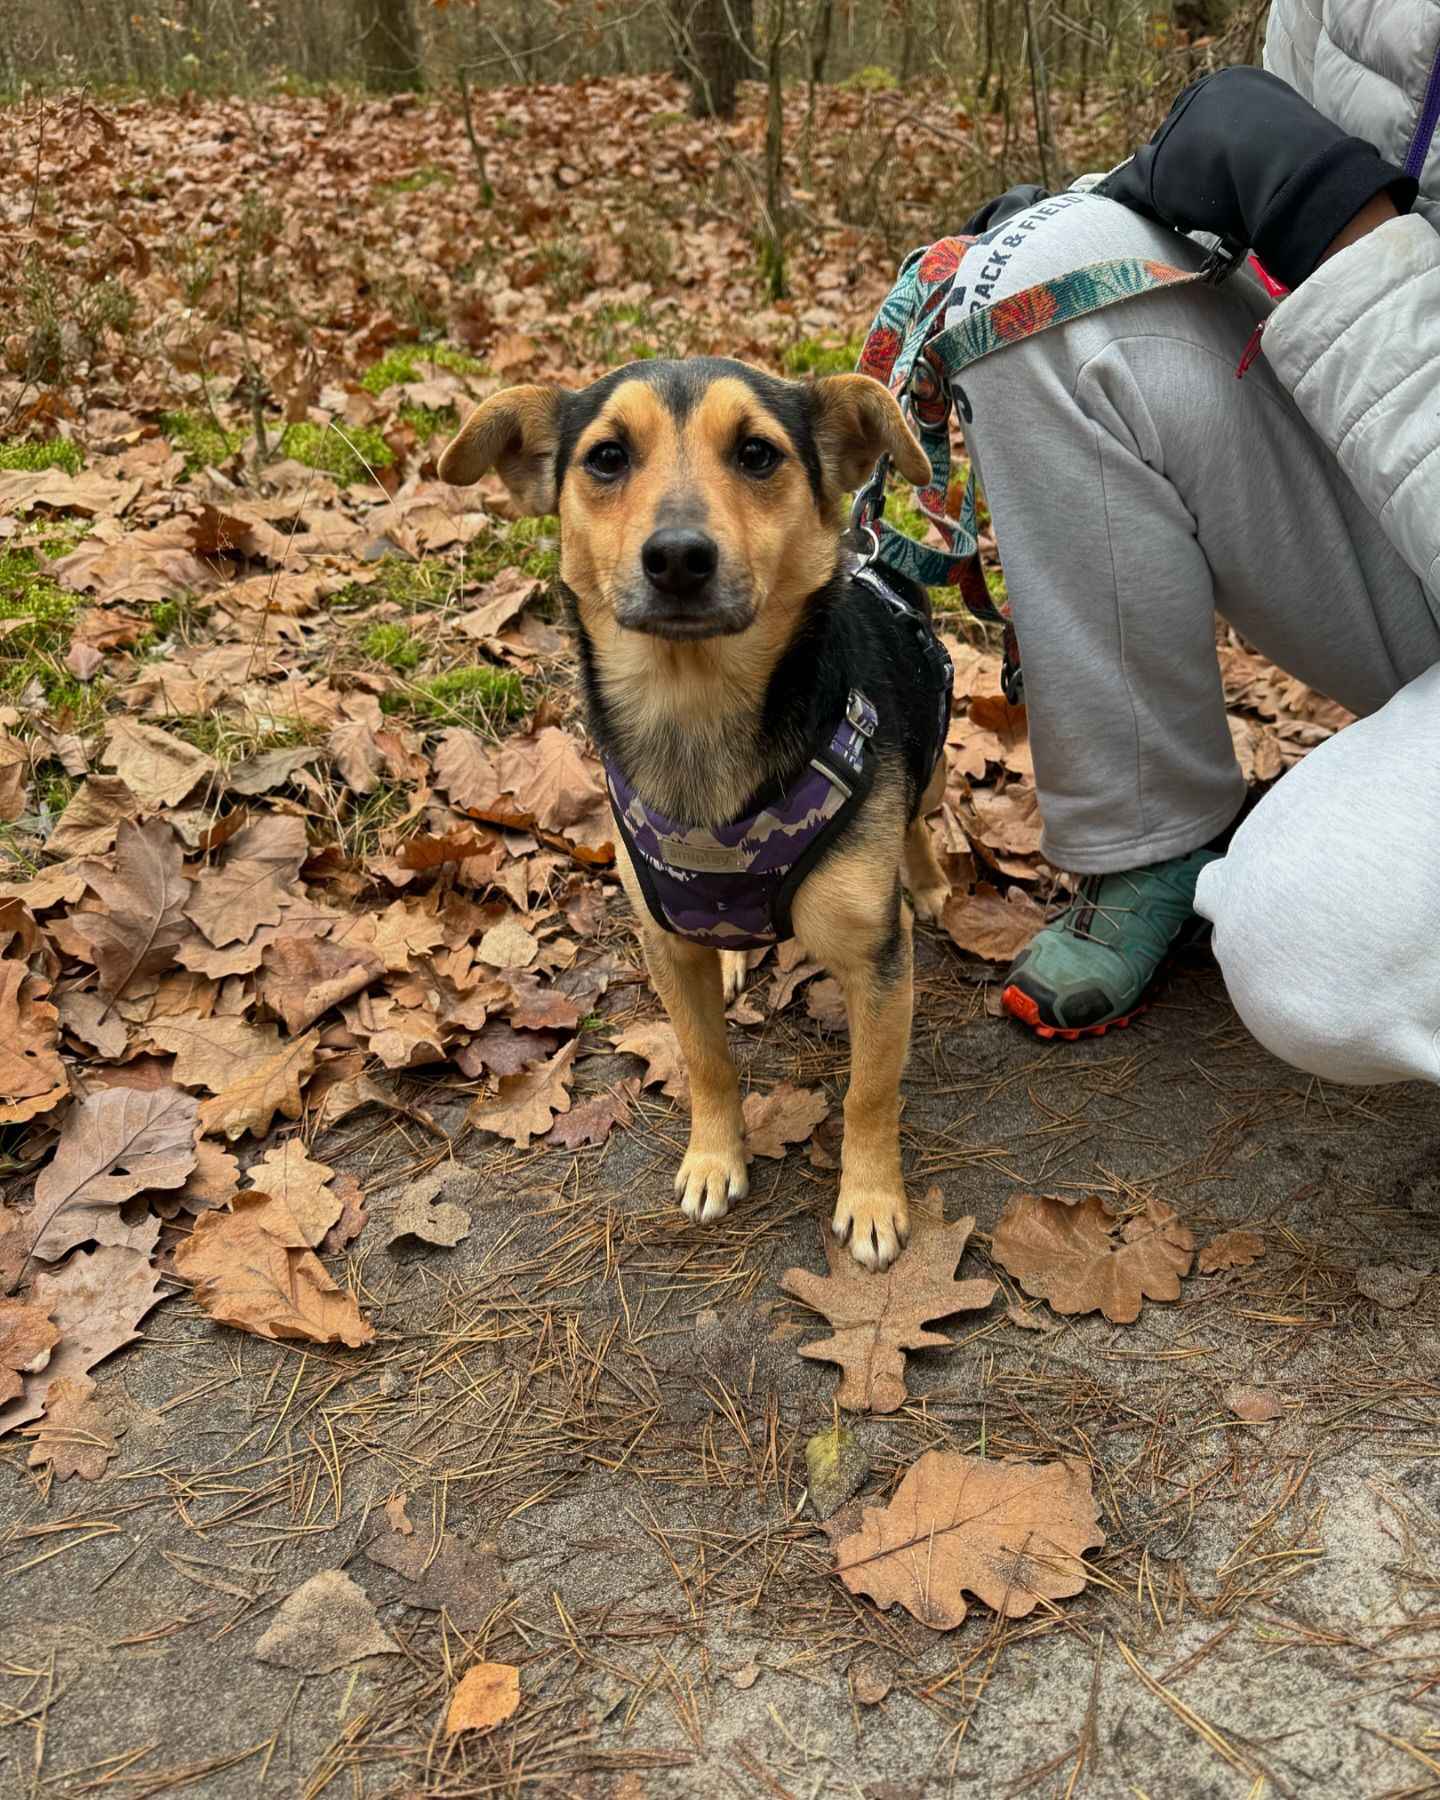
column 757, row 456
column 607, row 460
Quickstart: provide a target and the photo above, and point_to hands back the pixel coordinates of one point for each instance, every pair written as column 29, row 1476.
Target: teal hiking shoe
column 1091, row 968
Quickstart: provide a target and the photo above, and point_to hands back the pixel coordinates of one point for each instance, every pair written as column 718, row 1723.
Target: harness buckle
column 861, row 714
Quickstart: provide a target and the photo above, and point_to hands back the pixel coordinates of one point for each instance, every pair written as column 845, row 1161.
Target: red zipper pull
column 1252, row 350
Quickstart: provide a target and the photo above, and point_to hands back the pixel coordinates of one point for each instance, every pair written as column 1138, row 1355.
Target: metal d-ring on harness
column 910, row 349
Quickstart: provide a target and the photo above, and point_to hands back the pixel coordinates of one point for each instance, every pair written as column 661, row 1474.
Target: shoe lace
column 1089, row 907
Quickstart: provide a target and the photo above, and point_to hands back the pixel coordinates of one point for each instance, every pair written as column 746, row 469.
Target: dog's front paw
column 929, row 902
column 734, row 967
column 875, row 1222
column 708, row 1180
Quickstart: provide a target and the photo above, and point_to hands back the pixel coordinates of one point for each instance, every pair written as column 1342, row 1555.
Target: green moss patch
column 203, row 443
column 813, row 356
column 349, row 458
column 416, row 362
column 394, row 645
column 530, row 545
column 484, row 698
column 52, row 453
column 426, row 176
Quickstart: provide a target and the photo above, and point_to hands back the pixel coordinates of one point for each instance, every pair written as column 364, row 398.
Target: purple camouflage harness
column 731, row 887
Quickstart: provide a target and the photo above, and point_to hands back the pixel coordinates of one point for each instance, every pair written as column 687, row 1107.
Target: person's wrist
column 1318, row 203
column 1371, row 217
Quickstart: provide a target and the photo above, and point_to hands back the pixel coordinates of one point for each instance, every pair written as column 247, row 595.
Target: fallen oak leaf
column 877, row 1318
column 32, row 1076
column 550, row 778
column 526, row 1104
column 486, row 1696
column 158, row 768
column 1231, row 1250
column 1013, row 1534
column 302, row 1186
column 658, row 1048
column 466, row 1582
column 251, row 1272
column 115, row 1143
column 988, row 925
column 508, row 945
column 247, row 888
column 136, row 936
column 304, row 977
column 501, row 1050
column 327, row 1622
column 424, row 1215
column 27, row 1336
column 1389, row 1285
column 786, row 1115
column 1080, row 1259
column 251, row 1100
column 76, row 1437
column 97, row 1299
column 593, row 1120
column 94, row 814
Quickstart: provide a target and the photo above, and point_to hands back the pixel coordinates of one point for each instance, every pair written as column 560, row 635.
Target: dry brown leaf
column 27, row 1336
column 526, row 1104
column 246, row 1274
column 877, row 1318
column 1082, row 1260
column 116, row 1143
column 423, row 1214
column 326, row 1623
column 985, row 924
column 305, row 976
column 467, row 1582
column 786, row 1115
column 89, row 823
column 593, row 1120
column 76, row 1437
column 1256, row 1406
column 1389, row 1285
column 501, row 1050
column 32, row 1076
column 486, row 1696
column 659, row 1049
column 248, row 887
column 550, row 778
column 1013, row 1534
column 465, row 770
column 158, row 768
column 97, row 1298
column 304, row 1187
column 508, row 945
column 87, row 1015
column 497, row 603
column 214, row 1181
column 268, row 1085
column 1231, row 1250
column 135, row 937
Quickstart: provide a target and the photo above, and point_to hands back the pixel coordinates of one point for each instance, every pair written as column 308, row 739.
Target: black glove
column 1243, row 156
column 1004, row 206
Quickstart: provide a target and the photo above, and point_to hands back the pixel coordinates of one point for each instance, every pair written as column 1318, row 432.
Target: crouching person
column 1137, row 487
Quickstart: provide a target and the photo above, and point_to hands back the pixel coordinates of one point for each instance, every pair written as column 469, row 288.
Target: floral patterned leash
column 909, row 349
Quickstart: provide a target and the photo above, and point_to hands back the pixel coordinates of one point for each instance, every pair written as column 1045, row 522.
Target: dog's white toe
column 734, row 967
column 875, row 1228
column 708, row 1181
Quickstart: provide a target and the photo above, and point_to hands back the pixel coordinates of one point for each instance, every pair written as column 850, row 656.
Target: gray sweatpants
column 1137, row 488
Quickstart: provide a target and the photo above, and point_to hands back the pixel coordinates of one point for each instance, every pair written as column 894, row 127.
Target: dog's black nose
column 679, row 562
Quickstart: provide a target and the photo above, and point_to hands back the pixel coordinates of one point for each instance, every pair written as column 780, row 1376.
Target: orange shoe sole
column 1026, row 1009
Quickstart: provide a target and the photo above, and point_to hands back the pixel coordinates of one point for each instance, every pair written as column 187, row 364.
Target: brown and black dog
column 701, row 509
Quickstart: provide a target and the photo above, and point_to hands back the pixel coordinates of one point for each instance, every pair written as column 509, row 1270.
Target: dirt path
column 603, row 1408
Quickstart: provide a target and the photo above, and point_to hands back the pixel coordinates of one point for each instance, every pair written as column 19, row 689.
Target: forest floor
column 371, row 1420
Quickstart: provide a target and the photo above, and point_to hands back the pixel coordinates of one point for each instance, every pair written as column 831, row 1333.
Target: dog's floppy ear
column 857, row 421
column 516, row 432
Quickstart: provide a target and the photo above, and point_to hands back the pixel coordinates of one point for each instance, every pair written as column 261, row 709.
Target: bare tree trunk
column 714, row 50
column 820, row 33
column 773, row 249
column 389, row 45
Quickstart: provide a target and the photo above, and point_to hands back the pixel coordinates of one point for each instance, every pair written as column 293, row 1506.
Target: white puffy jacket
column 1359, row 343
